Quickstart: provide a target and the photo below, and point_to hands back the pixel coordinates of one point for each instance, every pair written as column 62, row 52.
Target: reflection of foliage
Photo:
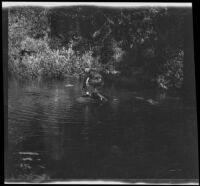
column 126, row 39
column 27, row 166
column 31, row 178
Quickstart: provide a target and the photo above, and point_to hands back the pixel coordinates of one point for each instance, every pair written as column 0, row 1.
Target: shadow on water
column 138, row 134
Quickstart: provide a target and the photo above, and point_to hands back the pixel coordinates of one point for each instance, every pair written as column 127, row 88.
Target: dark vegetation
column 144, row 45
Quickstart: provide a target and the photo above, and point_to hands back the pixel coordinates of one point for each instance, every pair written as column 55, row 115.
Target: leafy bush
column 47, row 62
column 144, row 44
column 172, row 76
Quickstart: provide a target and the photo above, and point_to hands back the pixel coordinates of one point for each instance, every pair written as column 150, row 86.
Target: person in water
column 93, row 80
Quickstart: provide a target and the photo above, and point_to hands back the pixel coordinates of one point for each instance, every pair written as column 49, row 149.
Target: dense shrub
column 172, row 76
column 47, row 62
column 142, row 44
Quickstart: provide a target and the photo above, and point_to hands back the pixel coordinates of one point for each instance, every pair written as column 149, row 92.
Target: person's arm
column 87, row 81
column 85, row 84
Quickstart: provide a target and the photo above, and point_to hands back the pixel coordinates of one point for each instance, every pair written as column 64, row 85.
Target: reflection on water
column 138, row 134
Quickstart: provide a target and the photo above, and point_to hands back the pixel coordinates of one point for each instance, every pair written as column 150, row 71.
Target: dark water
column 138, row 134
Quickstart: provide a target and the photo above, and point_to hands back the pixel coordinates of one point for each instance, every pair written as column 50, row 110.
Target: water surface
column 140, row 133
